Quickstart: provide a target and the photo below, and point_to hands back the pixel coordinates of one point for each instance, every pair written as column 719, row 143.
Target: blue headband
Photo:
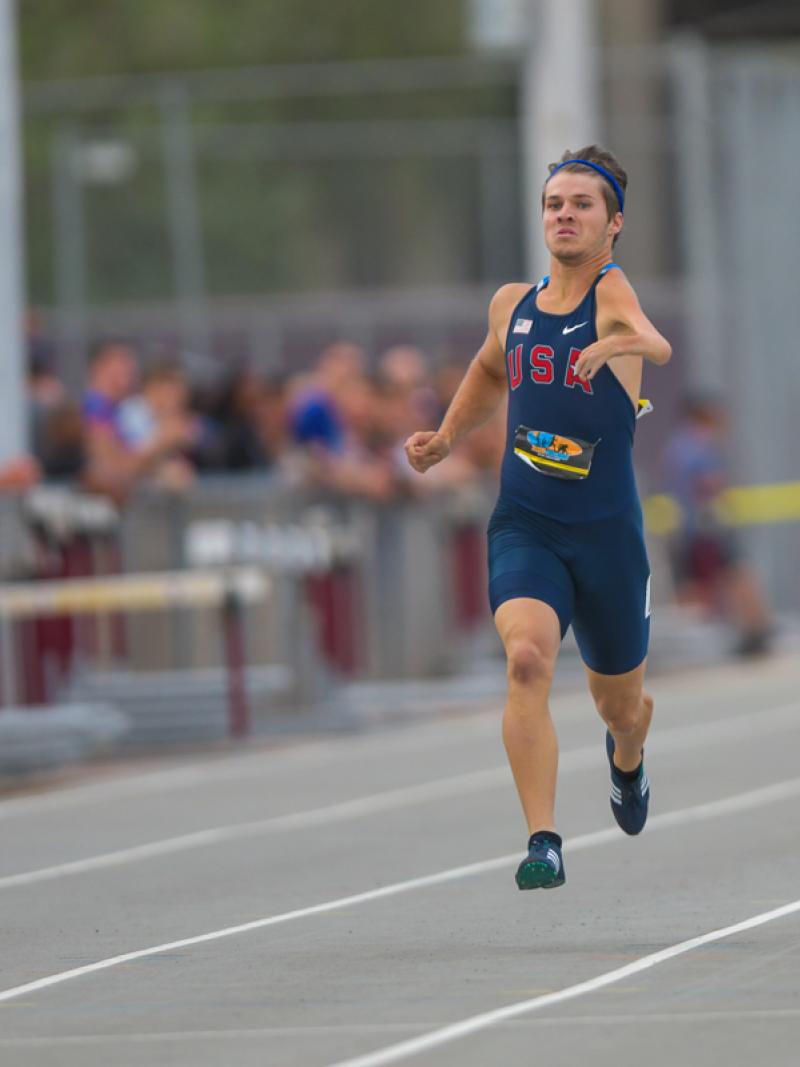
column 609, row 177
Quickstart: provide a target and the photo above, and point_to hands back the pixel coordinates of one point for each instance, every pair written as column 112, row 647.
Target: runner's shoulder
column 505, row 300
column 614, row 285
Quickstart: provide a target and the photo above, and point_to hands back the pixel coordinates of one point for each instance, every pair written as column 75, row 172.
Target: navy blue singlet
column 545, row 395
column 577, row 545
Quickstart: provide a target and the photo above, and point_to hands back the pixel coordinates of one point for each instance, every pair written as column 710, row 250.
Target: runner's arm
column 623, row 329
column 484, row 385
column 479, row 394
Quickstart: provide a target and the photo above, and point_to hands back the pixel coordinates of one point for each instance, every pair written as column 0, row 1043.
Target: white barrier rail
column 227, row 590
column 131, row 592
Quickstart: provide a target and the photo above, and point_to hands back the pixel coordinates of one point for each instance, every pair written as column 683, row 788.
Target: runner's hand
column 592, row 358
column 425, row 449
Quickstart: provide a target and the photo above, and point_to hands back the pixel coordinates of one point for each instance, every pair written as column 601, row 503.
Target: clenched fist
column 426, row 448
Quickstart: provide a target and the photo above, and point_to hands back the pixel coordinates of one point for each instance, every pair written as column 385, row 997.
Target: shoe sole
column 537, row 876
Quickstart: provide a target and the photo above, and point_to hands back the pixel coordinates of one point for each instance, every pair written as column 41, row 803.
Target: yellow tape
column 746, row 505
column 761, row 504
column 662, row 514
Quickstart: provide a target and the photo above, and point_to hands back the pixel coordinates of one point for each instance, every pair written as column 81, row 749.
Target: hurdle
column 227, row 589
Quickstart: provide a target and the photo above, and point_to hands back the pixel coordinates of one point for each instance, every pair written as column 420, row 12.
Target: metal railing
column 356, row 590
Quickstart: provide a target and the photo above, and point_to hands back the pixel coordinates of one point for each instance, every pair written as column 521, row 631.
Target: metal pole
column 695, row 128
column 183, row 216
column 8, row 667
column 559, row 102
column 233, row 628
column 13, row 430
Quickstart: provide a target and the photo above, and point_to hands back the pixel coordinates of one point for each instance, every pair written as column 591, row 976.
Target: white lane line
column 435, row 1038
column 205, row 771
column 727, row 806
column 458, row 785
column 257, row 764
column 673, row 740
column 252, row 764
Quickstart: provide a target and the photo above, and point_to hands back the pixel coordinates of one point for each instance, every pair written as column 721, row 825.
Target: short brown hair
column 594, row 153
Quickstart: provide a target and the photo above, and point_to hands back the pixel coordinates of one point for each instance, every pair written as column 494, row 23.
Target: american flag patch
column 522, row 326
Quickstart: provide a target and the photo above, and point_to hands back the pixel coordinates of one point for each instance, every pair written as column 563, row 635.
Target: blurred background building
column 291, row 217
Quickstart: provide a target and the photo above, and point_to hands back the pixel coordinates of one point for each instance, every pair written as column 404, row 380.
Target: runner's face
column 575, row 218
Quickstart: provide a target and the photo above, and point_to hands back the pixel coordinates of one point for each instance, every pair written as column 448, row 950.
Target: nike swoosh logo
column 569, row 329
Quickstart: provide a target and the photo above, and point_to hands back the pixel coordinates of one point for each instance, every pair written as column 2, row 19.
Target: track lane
column 469, row 950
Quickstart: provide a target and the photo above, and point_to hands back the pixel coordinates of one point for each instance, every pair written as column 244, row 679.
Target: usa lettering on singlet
column 546, row 396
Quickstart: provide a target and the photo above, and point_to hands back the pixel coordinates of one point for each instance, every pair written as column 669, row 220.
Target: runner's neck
column 569, row 282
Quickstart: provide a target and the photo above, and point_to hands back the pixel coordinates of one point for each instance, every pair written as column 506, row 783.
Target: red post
column 469, row 563
column 334, row 597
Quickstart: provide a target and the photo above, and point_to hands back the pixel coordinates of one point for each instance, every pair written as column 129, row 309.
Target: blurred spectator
column 271, row 420
column 18, row 475
column 404, row 366
column 113, row 373
column 239, row 445
column 316, row 401
column 335, row 414
column 45, row 390
column 359, row 462
column 161, row 406
column 477, row 456
column 61, row 443
column 115, row 465
column 230, row 438
column 408, row 400
column 334, row 427
column 706, row 556
column 404, row 370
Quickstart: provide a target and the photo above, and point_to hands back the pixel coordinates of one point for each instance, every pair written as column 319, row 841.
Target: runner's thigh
column 525, row 562
column 612, row 594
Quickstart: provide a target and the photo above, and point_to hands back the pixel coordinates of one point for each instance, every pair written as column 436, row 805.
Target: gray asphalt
column 323, row 988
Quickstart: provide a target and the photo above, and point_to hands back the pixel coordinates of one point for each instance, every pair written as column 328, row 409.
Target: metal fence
column 356, row 590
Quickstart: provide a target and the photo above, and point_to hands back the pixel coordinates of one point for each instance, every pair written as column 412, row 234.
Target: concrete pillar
column 559, row 105
column 636, row 129
column 13, row 432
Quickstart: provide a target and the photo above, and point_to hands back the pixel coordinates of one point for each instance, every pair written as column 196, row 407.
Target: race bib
column 554, row 454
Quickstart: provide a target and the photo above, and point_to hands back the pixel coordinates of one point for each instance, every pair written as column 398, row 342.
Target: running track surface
column 109, row 885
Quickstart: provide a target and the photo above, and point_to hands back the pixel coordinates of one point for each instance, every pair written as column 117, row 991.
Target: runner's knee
column 528, row 663
column 622, row 713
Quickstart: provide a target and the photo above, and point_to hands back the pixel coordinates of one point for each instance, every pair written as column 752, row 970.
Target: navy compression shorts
column 595, row 575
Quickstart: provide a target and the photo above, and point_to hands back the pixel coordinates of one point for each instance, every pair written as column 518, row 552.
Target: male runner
column 565, row 540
